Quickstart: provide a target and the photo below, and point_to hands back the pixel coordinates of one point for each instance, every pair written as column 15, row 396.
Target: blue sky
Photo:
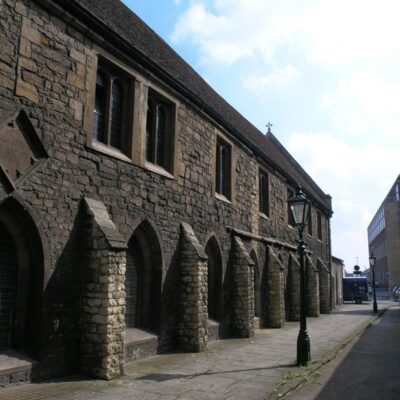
column 324, row 73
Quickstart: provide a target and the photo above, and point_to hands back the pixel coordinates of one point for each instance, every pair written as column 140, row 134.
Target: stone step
column 212, row 330
column 139, row 344
column 16, row 368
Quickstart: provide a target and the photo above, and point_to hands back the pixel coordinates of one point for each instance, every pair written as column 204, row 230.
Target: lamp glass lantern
column 372, row 261
column 299, row 206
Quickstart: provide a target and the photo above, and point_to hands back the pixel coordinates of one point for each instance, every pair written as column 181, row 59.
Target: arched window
column 223, row 169
column 149, row 131
column 161, row 135
column 100, row 107
column 116, row 115
column 112, row 88
column 159, row 131
column 264, row 192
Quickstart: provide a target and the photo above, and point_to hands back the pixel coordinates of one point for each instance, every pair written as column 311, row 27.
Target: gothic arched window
column 159, row 131
column 110, row 99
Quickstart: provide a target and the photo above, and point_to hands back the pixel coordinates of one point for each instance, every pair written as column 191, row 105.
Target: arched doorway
column 8, row 288
column 143, row 280
column 214, row 279
column 257, row 290
column 21, row 280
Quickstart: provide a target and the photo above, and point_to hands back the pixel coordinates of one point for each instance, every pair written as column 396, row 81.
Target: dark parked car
column 355, row 289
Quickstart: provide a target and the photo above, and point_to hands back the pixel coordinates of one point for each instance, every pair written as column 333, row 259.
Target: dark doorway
column 257, row 286
column 143, row 280
column 214, row 279
column 8, row 288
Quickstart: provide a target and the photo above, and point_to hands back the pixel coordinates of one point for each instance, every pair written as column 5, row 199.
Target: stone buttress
column 275, row 302
column 324, row 287
column 243, row 290
column 312, row 283
column 192, row 325
column 103, row 305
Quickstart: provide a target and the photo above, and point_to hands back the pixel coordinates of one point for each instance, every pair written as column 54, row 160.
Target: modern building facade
column 139, row 212
column 384, row 239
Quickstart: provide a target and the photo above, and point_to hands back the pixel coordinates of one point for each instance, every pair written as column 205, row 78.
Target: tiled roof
column 113, row 16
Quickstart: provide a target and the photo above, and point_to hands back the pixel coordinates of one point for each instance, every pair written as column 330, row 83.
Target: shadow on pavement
column 366, row 311
column 168, row 377
column 371, row 369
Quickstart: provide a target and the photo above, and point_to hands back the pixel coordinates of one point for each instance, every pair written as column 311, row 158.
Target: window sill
column 158, row 170
column 110, row 151
column 222, row 198
column 263, row 216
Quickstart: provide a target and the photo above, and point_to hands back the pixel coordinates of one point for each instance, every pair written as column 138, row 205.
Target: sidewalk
column 367, row 369
column 257, row 368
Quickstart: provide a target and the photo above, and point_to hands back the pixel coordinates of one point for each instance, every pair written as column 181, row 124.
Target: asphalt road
column 367, row 369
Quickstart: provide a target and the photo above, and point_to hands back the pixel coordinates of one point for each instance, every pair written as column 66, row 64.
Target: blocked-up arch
column 214, row 279
column 257, row 285
column 22, row 270
column 143, row 279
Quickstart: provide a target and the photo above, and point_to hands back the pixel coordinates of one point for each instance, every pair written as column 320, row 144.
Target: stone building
column 384, row 239
column 337, row 282
column 139, row 212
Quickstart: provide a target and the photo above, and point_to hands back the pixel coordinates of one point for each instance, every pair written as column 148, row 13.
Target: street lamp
column 300, row 206
column 372, row 261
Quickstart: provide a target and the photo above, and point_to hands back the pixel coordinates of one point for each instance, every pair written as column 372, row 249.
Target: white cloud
column 336, row 64
column 357, row 178
column 365, row 101
column 278, row 78
column 329, row 33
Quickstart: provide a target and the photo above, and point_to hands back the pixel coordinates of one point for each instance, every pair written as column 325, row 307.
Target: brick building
column 139, row 212
column 384, row 239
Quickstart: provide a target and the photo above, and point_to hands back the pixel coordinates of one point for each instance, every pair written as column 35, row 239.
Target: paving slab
column 257, row 368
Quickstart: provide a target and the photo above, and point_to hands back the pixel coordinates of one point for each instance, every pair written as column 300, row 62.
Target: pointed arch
column 257, row 284
column 214, row 279
column 24, row 262
column 143, row 279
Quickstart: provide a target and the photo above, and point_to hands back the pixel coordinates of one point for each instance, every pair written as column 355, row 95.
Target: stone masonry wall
column 243, row 290
column 192, row 327
column 312, row 284
column 47, row 68
column 324, row 287
column 274, row 312
column 103, row 305
column 294, row 288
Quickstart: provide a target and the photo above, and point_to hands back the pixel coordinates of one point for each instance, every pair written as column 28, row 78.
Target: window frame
column 290, row 219
column 223, row 169
column 309, row 222
column 319, row 225
column 168, row 152
column 113, row 74
column 263, row 193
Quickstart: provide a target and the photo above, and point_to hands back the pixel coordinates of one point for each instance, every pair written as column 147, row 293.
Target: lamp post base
column 303, row 348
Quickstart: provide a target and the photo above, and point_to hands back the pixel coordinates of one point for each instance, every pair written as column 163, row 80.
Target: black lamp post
column 300, row 206
column 372, row 261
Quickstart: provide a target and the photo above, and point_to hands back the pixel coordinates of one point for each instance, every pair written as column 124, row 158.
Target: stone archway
column 257, row 291
column 8, row 288
column 214, row 279
column 143, row 280
column 21, row 279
